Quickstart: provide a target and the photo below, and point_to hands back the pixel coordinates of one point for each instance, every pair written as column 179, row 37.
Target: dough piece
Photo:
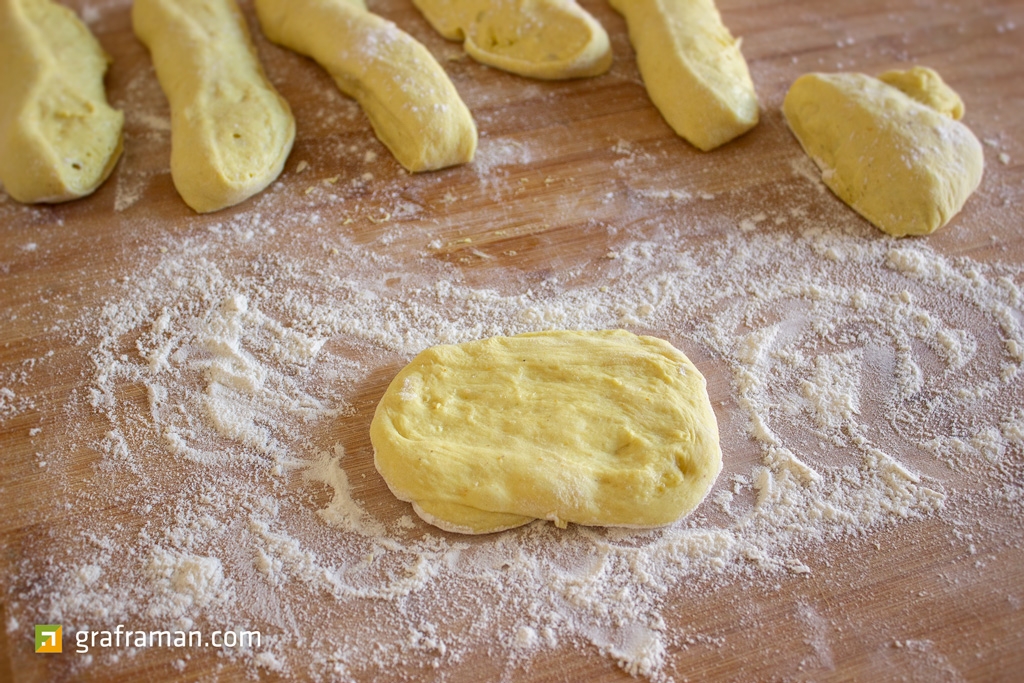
column 928, row 88
column 59, row 139
column 231, row 132
column 598, row 428
column 412, row 105
column 549, row 39
column 693, row 69
column 905, row 167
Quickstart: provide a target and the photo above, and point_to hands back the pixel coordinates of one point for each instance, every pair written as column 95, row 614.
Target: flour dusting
column 241, row 386
column 863, row 385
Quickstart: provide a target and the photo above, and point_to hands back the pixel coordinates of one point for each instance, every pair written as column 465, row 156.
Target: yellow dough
column 231, row 132
column 693, row 69
column 598, row 428
column 59, row 139
column 549, row 39
column 413, row 106
column 927, row 87
column 904, row 166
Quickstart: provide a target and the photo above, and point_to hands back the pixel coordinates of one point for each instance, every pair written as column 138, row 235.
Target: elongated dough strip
column 413, row 106
column 231, row 132
column 549, row 39
column 693, row 69
column 59, row 139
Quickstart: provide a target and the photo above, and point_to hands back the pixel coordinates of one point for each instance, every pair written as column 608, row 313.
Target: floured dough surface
column 692, row 68
column 927, row 87
column 548, row 39
column 599, row 428
column 410, row 101
column 894, row 153
column 59, row 139
column 231, row 132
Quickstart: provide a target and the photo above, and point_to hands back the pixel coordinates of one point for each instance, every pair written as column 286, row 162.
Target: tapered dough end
column 239, row 158
column 231, row 132
column 411, row 103
column 456, row 146
column 59, row 138
column 693, row 69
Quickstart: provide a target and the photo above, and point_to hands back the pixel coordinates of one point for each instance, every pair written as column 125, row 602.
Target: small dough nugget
column 59, row 139
column 693, row 69
column 597, row 428
column 410, row 101
column 548, row 39
column 905, row 166
column 231, row 132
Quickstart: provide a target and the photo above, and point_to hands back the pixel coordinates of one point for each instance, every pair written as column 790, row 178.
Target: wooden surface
column 553, row 207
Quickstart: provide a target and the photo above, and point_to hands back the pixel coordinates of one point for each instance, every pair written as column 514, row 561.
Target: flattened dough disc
column 601, row 428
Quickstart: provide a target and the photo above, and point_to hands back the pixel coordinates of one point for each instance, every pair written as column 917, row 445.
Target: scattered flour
column 494, row 154
column 243, row 383
column 236, row 381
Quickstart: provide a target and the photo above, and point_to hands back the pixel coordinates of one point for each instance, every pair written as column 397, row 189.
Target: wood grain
column 552, row 208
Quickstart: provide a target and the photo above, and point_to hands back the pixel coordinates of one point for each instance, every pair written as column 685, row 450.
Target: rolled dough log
column 59, row 139
column 231, row 132
column 598, row 428
column 548, row 39
column 693, row 69
column 412, row 105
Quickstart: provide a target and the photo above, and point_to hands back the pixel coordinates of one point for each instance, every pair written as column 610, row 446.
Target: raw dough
column 549, row 39
column 598, row 428
column 927, row 87
column 59, row 139
column 904, row 166
column 412, row 105
column 231, row 132
column 693, row 69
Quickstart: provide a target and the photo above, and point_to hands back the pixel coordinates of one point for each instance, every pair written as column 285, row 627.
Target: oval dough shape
column 692, row 68
column 601, row 428
column 411, row 103
column 546, row 39
column 59, row 139
column 231, row 132
column 902, row 165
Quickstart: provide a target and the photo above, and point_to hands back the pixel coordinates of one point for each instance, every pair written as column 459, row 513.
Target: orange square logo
column 49, row 638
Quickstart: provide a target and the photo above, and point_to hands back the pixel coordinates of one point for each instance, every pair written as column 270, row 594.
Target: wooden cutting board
column 548, row 198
